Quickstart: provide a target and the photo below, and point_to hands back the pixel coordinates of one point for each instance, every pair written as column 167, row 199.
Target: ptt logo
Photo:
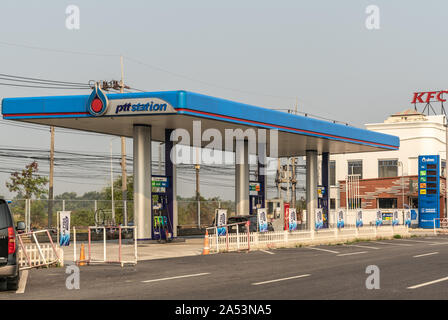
column 141, row 107
column 97, row 103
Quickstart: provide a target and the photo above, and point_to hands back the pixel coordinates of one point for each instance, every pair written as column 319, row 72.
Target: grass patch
column 397, row 236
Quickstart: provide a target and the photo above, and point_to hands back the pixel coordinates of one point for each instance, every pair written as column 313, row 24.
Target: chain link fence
column 83, row 212
column 190, row 216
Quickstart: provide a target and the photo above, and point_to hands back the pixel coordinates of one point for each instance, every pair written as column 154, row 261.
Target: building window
column 355, row 168
column 332, row 204
column 387, row 168
column 387, row 203
column 332, row 173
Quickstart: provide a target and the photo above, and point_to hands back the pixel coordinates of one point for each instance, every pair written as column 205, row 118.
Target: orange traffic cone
column 206, row 246
column 82, row 256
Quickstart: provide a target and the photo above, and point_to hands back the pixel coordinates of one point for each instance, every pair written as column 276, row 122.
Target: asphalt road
column 415, row 268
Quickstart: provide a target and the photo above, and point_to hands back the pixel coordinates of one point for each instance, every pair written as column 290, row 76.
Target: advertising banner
column 359, row 219
column 64, row 223
column 319, row 219
column 340, row 221
column 407, row 218
column 379, row 218
column 262, row 220
column 395, row 220
column 221, row 221
column 292, row 219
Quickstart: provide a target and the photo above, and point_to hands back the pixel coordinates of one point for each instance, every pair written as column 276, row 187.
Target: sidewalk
column 191, row 247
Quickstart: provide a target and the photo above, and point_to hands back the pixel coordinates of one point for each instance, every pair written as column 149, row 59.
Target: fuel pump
column 322, row 203
column 255, row 198
column 276, row 213
column 162, row 226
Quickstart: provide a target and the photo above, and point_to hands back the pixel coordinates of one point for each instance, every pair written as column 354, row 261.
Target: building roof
column 296, row 133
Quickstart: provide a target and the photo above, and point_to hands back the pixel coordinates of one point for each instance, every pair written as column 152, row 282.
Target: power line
column 21, row 78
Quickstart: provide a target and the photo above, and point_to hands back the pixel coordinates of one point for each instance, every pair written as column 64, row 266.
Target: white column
column 142, row 182
column 242, row 177
column 311, row 187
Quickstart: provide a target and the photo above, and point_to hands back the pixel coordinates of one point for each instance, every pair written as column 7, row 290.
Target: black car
column 253, row 227
column 9, row 267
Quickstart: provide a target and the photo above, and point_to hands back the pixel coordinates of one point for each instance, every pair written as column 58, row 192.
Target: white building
column 419, row 135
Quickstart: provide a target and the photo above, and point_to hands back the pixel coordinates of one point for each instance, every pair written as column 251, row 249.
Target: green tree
column 28, row 182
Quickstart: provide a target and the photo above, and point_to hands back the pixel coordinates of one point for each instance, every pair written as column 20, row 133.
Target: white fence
column 264, row 240
column 33, row 254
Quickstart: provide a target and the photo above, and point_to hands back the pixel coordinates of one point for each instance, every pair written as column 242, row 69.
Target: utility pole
column 293, row 160
column 293, row 182
column 50, row 190
column 124, row 186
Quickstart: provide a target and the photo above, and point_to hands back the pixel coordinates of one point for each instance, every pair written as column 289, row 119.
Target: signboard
column 262, row 218
column 359, row 222
column 319, row 219
column 292, row 219
column 395, row 220
column 379, row 218
column 159, row 184
column 254, row 188
column 407, row 218
column 221, row 221
column 428, row 190
column 64, row 225
column 340, row 223
column 429, row 96
column 321, row 191
column 387, row 216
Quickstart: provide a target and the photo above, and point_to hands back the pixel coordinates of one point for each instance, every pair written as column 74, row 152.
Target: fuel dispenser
column 255, row 197
column 162, row 226
column 322, row 203
column 276, row 213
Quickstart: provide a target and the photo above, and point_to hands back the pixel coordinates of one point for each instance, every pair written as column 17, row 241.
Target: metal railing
column 94, row 255
column 35, row 254
column 259, row 240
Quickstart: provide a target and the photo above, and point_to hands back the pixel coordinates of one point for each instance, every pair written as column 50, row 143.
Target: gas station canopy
column 178, row 109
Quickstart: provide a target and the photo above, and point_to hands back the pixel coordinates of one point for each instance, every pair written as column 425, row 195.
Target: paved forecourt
column 412, row 268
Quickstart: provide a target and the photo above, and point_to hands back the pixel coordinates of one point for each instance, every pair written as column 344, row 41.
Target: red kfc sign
column 427, row 97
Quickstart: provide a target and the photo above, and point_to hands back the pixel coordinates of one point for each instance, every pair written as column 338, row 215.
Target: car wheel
column 3, row 285
column 13, row 283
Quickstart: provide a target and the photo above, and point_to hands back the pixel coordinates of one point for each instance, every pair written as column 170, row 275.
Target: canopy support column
column 170, row 173
column 311, row 188
column 242, row 177
column 142, row 182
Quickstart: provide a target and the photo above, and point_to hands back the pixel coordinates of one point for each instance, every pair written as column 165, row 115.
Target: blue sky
column 266, row 53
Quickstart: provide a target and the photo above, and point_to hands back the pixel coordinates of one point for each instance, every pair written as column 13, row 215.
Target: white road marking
column 267, row 252
column 320, row 249
column 351, row 253
column 178, row 277
column 22, row 281
column 438, row 243
column 428, row 283
column 283, row 279
column 422, row 241
column 425, row 254
column 358, row 246
column 392, row 244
